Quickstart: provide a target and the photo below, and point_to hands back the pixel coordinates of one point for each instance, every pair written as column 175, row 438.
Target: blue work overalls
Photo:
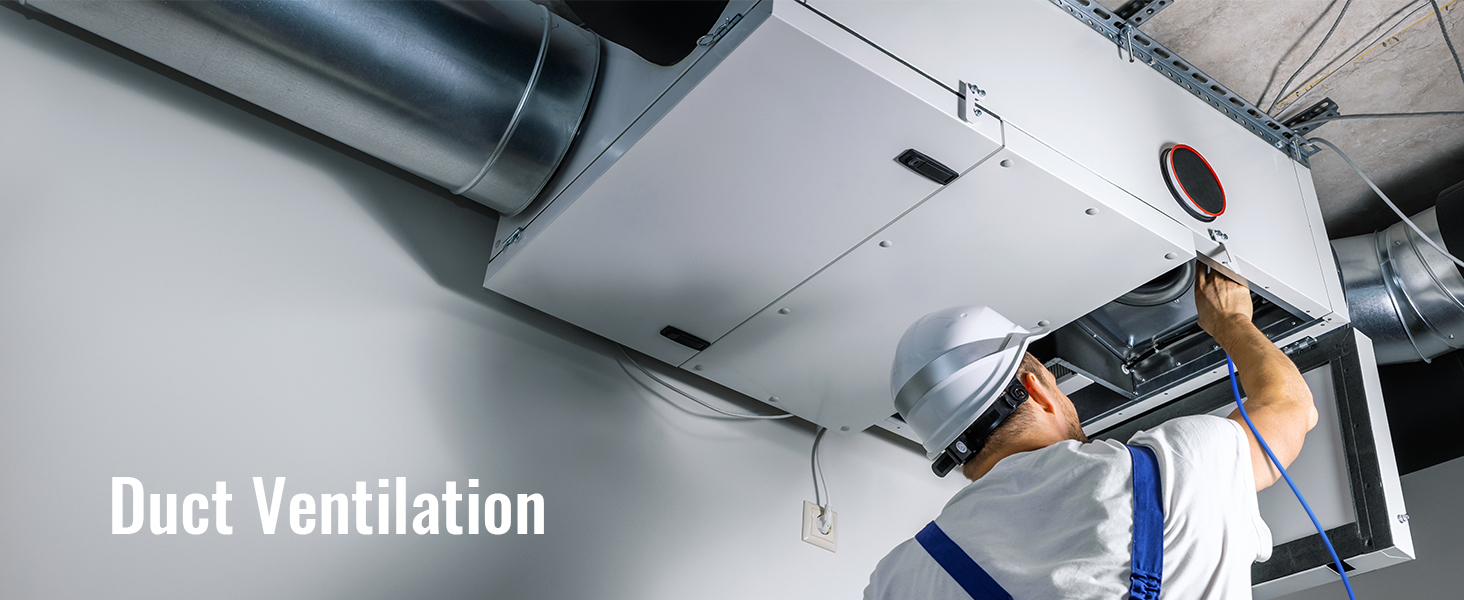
column 1148, row 558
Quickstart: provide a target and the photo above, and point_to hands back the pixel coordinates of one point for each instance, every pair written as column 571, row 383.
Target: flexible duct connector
column 482, row 98
column 1401, row 292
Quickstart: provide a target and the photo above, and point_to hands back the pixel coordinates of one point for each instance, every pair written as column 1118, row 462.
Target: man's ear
column 1038, row 393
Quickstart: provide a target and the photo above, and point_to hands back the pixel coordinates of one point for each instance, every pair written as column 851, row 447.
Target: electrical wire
column 1307, row 89
column 820, row 497
column 694, row 398
column 1448, row 42
column 1388, row 201
column 1314, row 81
column 1435, row 113
column 1234, row 387
column 1282, row 93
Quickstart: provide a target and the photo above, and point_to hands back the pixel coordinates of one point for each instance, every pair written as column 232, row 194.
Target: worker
column 1049, row 514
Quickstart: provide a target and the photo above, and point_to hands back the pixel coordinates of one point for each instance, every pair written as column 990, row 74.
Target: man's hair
column 1022, row 417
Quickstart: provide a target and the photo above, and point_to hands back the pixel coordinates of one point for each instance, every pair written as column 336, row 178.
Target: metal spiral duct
column 483, row 98
column 1402, row 292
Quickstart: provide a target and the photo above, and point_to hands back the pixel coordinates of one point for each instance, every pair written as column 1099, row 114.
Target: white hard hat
column 951, row 369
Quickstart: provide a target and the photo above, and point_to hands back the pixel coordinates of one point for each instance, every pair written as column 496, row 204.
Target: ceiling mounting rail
column 1136, row 12
column 1146, row 50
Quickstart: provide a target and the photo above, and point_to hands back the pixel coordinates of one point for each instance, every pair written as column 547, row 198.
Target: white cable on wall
column 820, row 487
column 694, row 398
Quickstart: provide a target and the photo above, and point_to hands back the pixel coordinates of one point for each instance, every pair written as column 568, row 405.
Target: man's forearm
column 1270, row 380
column 1259, row 364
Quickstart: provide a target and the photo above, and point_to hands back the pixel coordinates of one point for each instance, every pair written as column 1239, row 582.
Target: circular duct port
column 1164, row 288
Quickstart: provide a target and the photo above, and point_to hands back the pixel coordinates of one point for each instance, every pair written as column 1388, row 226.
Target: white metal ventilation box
column 772, row 212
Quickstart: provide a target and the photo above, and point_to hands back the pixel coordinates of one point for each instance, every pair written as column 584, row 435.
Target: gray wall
column 1433, row 500
column 190, row 294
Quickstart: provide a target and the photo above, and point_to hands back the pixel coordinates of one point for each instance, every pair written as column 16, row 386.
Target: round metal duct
column 1402, row 293
column 483, row 98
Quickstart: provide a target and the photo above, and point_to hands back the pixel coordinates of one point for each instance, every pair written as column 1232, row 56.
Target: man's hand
column 1221, row 301
column 1278, row 401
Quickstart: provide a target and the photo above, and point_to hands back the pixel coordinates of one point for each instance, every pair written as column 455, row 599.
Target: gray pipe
column 1402, row 293
column 482, row 98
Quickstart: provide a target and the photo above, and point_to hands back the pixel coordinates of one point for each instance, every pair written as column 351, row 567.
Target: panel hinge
column 721, row 30
column 1299, row 345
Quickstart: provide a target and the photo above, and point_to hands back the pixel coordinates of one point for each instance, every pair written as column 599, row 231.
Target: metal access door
column 1346, row 470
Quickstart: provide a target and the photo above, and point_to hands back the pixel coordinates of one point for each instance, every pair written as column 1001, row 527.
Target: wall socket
column 812, row 535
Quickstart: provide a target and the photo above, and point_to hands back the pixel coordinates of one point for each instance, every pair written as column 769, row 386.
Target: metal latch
column 969, row 109
column 721, row 30
column 512, row 237
column 1299, row 345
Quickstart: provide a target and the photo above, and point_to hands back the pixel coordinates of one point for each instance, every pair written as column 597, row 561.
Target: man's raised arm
column 1277, row 399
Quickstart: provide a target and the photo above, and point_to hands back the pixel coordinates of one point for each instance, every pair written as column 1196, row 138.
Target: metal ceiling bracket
column 1139, row 11
column 1302, row 122
column 1178, row 70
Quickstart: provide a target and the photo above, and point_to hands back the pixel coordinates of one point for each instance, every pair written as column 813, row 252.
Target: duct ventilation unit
column 773, row 211
column 482, row 98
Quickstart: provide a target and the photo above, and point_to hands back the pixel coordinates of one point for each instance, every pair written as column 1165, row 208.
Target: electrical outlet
column 811, row 534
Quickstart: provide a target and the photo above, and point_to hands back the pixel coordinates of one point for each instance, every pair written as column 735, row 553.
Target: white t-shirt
column 1058, row 522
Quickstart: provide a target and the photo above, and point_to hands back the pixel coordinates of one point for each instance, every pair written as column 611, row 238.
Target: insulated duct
column 482, row 98
column 1401, row 292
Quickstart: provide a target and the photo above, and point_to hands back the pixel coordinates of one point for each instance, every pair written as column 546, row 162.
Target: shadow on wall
column 448, row 236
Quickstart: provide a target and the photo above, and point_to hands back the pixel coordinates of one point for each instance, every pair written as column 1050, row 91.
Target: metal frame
column 1372, row 532
column 1140, row 47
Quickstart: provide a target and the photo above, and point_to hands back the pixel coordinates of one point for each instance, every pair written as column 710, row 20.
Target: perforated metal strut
column 1144, row 49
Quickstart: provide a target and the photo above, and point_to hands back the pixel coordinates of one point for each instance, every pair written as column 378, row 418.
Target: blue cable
column 1234, row 387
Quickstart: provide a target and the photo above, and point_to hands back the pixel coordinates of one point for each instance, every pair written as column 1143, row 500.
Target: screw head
column 844, row 428
column 885, row 244
column 784, row 311
column 1090, row 212
column 696, row 367
column 1170, row 256
column 773, row 399
column 1006, row 163
column 1044, row 323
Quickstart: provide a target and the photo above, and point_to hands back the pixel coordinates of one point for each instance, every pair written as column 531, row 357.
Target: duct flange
column 1402, row 293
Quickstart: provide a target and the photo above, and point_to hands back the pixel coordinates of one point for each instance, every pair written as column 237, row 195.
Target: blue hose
column 1234, row 387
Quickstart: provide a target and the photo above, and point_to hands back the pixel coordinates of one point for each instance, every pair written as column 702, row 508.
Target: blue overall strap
column 1148, row 559
column 955, row 561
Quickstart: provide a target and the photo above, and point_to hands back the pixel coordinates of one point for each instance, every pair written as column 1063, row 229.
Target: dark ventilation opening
column 1194, row 184
column 660, row 32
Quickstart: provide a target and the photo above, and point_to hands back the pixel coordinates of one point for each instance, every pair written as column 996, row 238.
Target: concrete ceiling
column 1386, row 56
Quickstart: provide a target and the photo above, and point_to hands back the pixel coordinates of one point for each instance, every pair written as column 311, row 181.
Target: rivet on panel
column 773, row 399
column 696, row 367
column 784, row 311
column 844, row 428
column 885, row 244
column 1090, row 212
column 1044, row 323
column 1006, row 162
column 1170, row 256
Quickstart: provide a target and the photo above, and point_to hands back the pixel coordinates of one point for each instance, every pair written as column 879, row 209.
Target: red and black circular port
column 1193, row 183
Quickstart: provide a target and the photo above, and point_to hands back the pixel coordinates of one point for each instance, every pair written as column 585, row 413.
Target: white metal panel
column 778, row 162
column 1051, row 75
column 1017, row 238
column 1331, row 274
